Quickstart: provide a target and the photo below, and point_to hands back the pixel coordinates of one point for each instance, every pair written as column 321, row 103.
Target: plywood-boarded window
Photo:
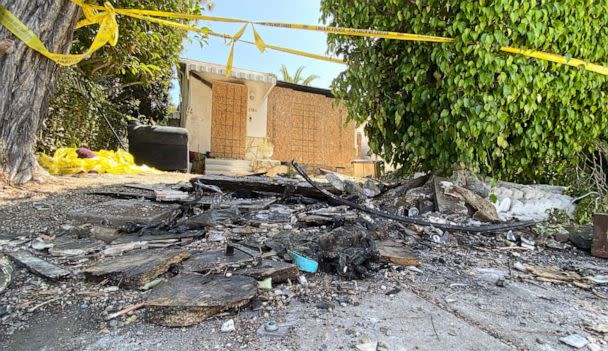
column 310, row 129
column 228, row 120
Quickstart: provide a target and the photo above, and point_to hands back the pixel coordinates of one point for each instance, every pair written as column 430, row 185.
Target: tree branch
column 103, row 65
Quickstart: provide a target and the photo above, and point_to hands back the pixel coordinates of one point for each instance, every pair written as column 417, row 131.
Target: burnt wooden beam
column 266, row 184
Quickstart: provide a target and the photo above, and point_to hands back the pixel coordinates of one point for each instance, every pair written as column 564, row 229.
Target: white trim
column 212, row 68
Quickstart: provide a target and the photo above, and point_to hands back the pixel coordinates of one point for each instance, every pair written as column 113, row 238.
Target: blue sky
column 248, row 57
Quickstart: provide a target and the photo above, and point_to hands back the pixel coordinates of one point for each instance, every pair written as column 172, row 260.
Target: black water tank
column 164, row 148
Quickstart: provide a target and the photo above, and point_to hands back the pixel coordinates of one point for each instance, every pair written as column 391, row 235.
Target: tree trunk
column 27, row 80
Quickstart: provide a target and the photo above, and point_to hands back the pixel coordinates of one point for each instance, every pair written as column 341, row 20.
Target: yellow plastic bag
column 66, row 161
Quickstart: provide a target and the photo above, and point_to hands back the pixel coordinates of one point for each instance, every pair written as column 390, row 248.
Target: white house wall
column 198, row 117
column 257, row 107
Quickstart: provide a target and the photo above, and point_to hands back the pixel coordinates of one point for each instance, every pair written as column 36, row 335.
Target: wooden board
column 310, row 129
column 599, row 244
column 69, row 246
column 277, row 185
column 202, row 262
column 120, row 212
column 152, row 235
column 134, row 269
column 38, row 265
column 228, row 120
column 366, row 168
column 188, row 299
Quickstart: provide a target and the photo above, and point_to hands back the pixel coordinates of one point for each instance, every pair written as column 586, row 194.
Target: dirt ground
column 466, row 295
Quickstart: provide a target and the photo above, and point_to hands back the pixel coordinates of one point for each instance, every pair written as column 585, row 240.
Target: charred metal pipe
column 461, row 228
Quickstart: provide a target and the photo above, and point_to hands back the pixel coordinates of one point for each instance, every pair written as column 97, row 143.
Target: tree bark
column 27, row 80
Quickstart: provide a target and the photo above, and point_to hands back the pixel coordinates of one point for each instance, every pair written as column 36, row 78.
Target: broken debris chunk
column 446, row 202
column 67, row 247
column 396, row 253
column 104, row 234
column 484, row 209
column 280, row 272
column 134, row 269
column 575, row 340
column 38, row 265
column 278, row 170
column 157, row 235
column 188, row 299
column 169, row 195
column 6, row 273
column 213, row 217
column 347, row 251
column 203, row 262
column 274, row 214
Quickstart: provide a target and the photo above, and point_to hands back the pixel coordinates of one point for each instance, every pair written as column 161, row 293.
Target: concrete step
column 228, row 173
column 227, row 168
column 223, row 161
column 217, row 166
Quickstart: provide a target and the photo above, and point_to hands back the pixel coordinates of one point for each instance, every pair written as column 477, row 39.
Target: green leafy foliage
column 436, row 106
column 129, row 80
column 76, row 116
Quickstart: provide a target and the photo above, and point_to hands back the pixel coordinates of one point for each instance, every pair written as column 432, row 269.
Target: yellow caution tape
column 107, row 33
column 65, row 161
column 557, row 59
column 258, row 40
column 178, row 25
column 359, row 32
column 305, row 54
column 281, row 49
column 129, row 12
column 105, row 16
column 326, row 29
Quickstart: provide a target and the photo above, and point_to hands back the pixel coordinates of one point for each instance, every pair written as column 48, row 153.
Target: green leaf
column 465, row 103
column 398, row 116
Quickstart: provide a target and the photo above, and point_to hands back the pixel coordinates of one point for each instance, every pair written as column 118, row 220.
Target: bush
column 466, row 104
column 76, row 117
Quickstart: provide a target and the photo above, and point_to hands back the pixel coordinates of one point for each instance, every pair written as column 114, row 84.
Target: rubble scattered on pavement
column 184, row 253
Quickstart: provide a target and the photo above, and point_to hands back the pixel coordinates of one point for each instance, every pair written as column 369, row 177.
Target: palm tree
column 297, row 78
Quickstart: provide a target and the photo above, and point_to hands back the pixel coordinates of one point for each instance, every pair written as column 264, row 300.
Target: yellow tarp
column 66, row 161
